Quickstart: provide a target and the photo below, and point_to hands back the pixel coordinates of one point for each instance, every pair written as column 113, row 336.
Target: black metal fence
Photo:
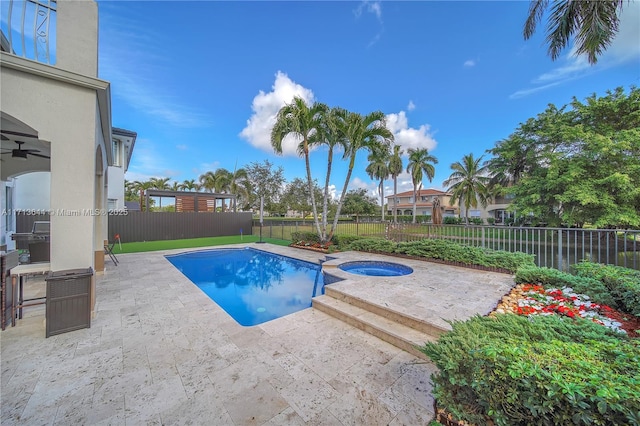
column 557, row 248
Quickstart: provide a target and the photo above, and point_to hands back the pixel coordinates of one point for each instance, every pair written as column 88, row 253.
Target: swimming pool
column 251, row 285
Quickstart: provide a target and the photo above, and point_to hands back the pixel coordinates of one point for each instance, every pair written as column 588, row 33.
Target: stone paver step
column 386, row 311
column 399, row 335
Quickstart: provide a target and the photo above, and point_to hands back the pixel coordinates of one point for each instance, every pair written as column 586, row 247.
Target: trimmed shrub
column 623, row 283
column 343, row 241
column 451, row 220
column 548, row 277
column 542, row 370
column 476, row 221
column 373, row 244
column 468, row 255
column 306, row 236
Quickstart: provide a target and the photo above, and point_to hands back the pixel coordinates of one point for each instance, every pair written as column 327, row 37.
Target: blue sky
column 200, row 82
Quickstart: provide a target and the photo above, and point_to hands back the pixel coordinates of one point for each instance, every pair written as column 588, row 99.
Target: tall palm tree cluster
column 319, row 125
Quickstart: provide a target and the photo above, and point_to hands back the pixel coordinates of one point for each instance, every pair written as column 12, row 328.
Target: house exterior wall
column 63, row 104
column 496, row 209
column 77, row 37
column 424, row 205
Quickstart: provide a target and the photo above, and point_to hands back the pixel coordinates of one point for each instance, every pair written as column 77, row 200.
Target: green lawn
column 192, row 243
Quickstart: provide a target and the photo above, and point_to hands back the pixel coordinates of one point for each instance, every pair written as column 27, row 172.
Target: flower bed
column 312, row 246
column 530, row 299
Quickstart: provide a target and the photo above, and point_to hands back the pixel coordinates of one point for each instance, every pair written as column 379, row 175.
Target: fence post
column 483, row 246
column 560, row 268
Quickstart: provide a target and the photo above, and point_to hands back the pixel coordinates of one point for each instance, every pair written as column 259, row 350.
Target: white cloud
column 409, row 137
column 373, row 7
column 411, row 106
column 265, row 107
column 469, row 63
column 182, row 147
column 624, row 48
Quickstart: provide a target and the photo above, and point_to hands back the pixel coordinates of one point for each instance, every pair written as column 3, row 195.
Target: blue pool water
column 252, row 286
column 376, row 269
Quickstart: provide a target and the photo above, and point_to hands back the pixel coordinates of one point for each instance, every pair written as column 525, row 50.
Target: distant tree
column 420, row 163
column 140, row 187
column 189, row 185
column 395, row 168
column 208, row 181
column 357, row 202
column 161, row 184
column 130, row 191
column 469, row 183
column 296, row 196
column 300, row 121
column 240, row 186
column 266, row 183
column 378, row 168
column 592, row 24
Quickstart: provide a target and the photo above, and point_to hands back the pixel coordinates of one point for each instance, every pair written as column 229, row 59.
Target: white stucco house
column 123, row 142
column 56, row 117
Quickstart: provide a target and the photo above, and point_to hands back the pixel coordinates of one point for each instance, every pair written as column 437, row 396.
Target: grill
column 36, row 241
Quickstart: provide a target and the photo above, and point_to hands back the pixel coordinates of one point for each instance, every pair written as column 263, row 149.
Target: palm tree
column 140, row 188
column 208, row 181
column 395, row 168
column 379, row 169
column 189, row 185
column 469, row 183
column 420, row 161
column 360, row 132
column 240, row 186
column 161, row 184
column 593, row 25
column 175, row 186
column 328, row 134
column 130, row 191
column 302, row 122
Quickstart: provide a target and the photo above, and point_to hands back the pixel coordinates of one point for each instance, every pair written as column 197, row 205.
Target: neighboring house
column 56, row 117
column 424, row 205
column 496, row 209
column 123, row 142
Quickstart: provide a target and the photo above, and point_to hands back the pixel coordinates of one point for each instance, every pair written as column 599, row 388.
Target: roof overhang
column 101, row 87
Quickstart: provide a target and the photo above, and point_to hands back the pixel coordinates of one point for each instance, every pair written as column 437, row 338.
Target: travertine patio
column 159, row 351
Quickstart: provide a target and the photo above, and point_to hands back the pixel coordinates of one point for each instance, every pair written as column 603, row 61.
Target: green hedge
column 547, row 277
column 541, row 370
column 447, row 251
column 306, row 236
column 622, row 283
column 343, row 241
column 373, row 244
column 468, row 255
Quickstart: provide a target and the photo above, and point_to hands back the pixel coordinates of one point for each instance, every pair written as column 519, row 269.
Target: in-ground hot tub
column 376, row 268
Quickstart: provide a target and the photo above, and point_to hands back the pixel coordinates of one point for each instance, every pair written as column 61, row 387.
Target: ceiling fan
column 22, row 154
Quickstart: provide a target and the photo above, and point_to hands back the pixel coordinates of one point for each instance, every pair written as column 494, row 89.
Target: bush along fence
column 557, row 248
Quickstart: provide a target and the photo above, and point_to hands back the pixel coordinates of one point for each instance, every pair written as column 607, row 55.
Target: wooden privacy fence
column 154, row 226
